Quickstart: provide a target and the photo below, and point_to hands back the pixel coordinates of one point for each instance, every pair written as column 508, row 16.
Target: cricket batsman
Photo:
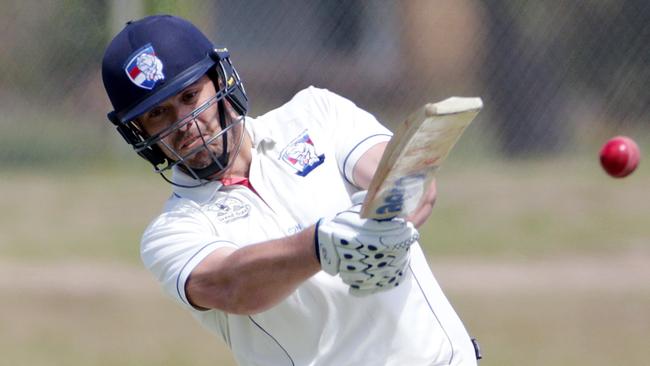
column 261, row 239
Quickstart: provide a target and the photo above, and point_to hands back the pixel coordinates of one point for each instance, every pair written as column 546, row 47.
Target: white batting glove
column 369, row 255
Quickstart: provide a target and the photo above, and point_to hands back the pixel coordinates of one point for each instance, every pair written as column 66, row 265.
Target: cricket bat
column 414, row 154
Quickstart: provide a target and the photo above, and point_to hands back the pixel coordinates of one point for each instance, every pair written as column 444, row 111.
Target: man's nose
column 186, row 125
column 189, row 119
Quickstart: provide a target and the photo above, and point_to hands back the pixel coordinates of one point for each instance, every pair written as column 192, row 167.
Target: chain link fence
column 555, row 76
column 545, row 263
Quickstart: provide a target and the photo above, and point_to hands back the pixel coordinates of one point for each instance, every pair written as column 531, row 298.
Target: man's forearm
column 256, row 277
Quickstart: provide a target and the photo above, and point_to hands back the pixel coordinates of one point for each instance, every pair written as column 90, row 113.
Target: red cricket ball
column 619, row 156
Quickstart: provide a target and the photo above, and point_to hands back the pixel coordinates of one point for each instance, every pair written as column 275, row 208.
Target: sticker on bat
column 401, row 195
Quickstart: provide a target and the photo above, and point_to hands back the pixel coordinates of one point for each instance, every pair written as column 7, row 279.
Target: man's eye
column 190, row 97
column 156, row 112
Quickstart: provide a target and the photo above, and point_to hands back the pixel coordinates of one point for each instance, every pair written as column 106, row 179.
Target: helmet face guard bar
column 219, row 163
column 182, row 122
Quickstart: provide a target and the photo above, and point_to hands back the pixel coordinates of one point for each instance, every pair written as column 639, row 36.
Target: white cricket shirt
column 303, row 156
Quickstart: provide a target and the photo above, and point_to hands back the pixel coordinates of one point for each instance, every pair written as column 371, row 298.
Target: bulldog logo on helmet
column 144, row 68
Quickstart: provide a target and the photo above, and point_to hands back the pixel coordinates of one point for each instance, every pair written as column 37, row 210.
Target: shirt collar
column 187, row 187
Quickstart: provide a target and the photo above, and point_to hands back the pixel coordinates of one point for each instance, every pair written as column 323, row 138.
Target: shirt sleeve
column 351, row 130
column 174, row 244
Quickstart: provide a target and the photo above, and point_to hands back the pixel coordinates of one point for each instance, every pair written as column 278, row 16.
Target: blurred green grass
column 76, row 294
column 522, row 208
column 537, row 208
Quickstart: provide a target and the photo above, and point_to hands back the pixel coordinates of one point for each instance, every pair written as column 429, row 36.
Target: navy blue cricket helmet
column 153, row 59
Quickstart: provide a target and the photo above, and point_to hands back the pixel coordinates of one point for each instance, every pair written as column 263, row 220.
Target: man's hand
column 425, row 207
column 369, row 255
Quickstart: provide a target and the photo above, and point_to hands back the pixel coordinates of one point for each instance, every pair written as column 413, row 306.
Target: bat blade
column 414, row 154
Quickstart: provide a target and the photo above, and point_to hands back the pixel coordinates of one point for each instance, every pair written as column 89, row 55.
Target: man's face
column 193, row 131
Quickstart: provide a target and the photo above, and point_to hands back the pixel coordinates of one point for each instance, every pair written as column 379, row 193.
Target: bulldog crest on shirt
column 229, row 209
column 301, row 154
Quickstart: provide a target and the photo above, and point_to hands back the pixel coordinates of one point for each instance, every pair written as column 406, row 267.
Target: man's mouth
column 192, row 142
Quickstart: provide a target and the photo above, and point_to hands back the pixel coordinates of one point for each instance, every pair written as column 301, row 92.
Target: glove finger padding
column 367, row 253
column 370, row 255
column 384, row 275
column 396, row 239
column 362, row 279
column 385, row 263
column 337, row 240
column 373, row 287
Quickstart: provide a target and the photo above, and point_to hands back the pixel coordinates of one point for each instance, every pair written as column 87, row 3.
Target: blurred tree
column 57, row 40
column 524, row 74
column 544, row 55
column 281, row 47
column 190, row 9
column 344, row 20
column 610, row 45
